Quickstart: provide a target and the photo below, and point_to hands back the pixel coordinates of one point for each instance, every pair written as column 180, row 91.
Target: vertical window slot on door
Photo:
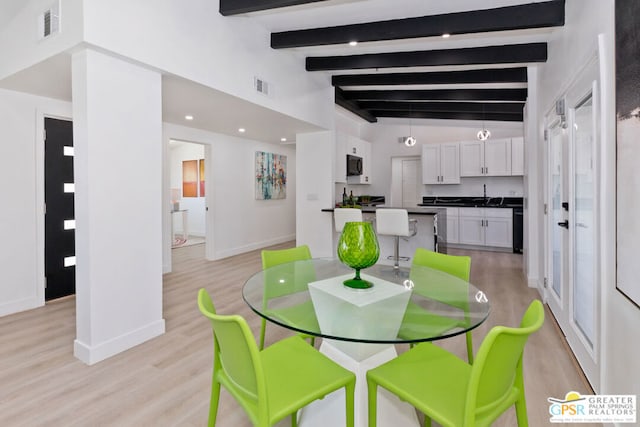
column 69, row 261
column 69, row 224
column 69, row 187
column 67, row 151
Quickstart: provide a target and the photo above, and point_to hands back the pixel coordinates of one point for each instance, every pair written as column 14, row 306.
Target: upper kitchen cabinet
column 359, row 148
column 485, row 158
column 517, row 156
column 440, row 163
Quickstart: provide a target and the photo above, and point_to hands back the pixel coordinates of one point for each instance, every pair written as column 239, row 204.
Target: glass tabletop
column 403, row 306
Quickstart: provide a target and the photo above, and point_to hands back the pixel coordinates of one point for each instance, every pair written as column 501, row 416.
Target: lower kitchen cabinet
column 452, row 225
column 485, row 227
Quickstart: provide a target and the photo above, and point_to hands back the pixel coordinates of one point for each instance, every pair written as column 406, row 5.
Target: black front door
column 59, row 223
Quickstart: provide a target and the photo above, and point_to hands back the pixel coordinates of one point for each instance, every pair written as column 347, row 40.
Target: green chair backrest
column 456, row 265
column 451, row 288
column 271, row 258
column 287, row 279
column 236, row 355
column 498, row 365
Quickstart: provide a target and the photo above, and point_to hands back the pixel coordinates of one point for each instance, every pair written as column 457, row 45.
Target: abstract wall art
column 270, row 176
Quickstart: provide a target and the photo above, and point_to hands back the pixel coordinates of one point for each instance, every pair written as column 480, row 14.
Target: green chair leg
column 372, row 391
column 213, row 406
column 469, row 348
column 294, row 419
column 350, row 402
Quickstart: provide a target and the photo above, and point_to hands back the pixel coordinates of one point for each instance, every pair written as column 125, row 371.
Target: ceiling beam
column 518, row 95
column 353, row 106
column 525, row 16
column 461, row 107
column 236, row 7
column 444, row 115
column 491, row 75
column 507, row 54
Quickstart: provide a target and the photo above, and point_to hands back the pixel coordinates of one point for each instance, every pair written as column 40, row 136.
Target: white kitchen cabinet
column 452, row 225
column 440, row 163
column 486, row 227
column 517, row 156
column 485, row 158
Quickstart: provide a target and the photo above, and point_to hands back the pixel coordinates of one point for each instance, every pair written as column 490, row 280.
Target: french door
column 573, row 261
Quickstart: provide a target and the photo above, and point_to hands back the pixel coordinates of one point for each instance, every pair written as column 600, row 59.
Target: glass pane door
column 556, row 208
column 583, row 218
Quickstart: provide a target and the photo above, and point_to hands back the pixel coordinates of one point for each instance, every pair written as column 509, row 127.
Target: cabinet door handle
column 564, row 224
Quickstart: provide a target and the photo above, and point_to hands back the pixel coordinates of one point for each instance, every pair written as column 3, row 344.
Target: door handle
column 564, row 224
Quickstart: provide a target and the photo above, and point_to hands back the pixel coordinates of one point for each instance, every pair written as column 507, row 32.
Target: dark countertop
column 472, row 202
column 411, row 211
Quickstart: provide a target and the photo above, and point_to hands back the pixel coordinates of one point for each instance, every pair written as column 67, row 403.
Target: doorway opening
column 188, row 186
column 406, row 181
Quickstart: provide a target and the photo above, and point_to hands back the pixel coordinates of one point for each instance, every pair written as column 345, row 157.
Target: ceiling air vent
column 261, row 85
column 49, row 21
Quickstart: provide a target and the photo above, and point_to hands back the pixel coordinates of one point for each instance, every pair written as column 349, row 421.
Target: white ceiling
column 219, row 112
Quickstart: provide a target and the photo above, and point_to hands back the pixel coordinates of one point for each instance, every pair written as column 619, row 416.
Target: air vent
column 261, row 85
column 49, row 21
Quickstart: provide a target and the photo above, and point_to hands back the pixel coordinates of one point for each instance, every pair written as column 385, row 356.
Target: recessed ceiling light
column 446, row 35
column 188, row 117
column 353, row 43
column 241, row 130
column 283, row 139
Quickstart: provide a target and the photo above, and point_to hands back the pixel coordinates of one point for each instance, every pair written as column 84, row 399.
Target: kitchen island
column 431, row 233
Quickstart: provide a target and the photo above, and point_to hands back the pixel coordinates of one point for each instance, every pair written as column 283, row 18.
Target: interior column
column 117, row 125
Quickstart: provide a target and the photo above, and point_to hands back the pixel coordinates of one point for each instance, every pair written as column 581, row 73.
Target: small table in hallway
column 359, row 328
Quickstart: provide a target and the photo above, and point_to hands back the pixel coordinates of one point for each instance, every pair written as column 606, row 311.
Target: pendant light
column 484, row 133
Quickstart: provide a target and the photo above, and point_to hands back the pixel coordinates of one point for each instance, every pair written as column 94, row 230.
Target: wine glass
column 358, row 248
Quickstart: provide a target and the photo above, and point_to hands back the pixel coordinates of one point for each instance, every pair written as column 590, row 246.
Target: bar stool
column 396, row 223
column 343, row 215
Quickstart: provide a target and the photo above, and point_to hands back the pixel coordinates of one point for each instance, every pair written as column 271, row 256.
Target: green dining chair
column 273, row 383
column 418, row 320
column 454, row 393
column 298, row 276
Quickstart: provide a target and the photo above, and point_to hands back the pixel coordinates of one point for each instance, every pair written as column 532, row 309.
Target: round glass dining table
column 403, row 306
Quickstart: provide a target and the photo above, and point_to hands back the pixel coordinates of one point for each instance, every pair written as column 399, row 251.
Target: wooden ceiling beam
column 516, row 95
column 461, row 107
column 353, row 106
column 237, row 7
column 489, row 75
column 507, row 54
column 448, row 115
column 519, row 17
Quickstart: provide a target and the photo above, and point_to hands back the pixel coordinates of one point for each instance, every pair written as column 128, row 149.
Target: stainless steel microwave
column 354, row 165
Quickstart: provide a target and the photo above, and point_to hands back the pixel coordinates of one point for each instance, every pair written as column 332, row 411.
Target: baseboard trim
column 20, row 305
column 252, row 247
column 94, row 354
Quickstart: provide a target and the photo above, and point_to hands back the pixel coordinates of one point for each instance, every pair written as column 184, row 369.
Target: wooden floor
column 166, row 381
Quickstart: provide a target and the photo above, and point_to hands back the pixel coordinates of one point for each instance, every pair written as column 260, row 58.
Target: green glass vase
column 358, row 248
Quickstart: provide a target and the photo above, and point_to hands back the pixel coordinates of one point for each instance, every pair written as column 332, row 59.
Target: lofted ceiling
column 402, row 66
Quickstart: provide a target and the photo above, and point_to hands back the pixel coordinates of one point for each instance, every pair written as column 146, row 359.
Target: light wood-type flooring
column 166, row 381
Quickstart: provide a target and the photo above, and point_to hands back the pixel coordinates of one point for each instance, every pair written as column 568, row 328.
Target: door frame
column 586, row 81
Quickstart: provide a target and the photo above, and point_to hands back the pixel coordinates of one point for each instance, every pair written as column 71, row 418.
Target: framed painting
column 190, row 178
column 627, row 29
column 270, row 176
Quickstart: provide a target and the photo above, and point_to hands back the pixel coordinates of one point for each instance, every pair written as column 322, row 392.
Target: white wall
column 20, row 45
column 240, row 222
column 22, row 189
column 195, row 205
column 224, row 53
column 570, row 49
